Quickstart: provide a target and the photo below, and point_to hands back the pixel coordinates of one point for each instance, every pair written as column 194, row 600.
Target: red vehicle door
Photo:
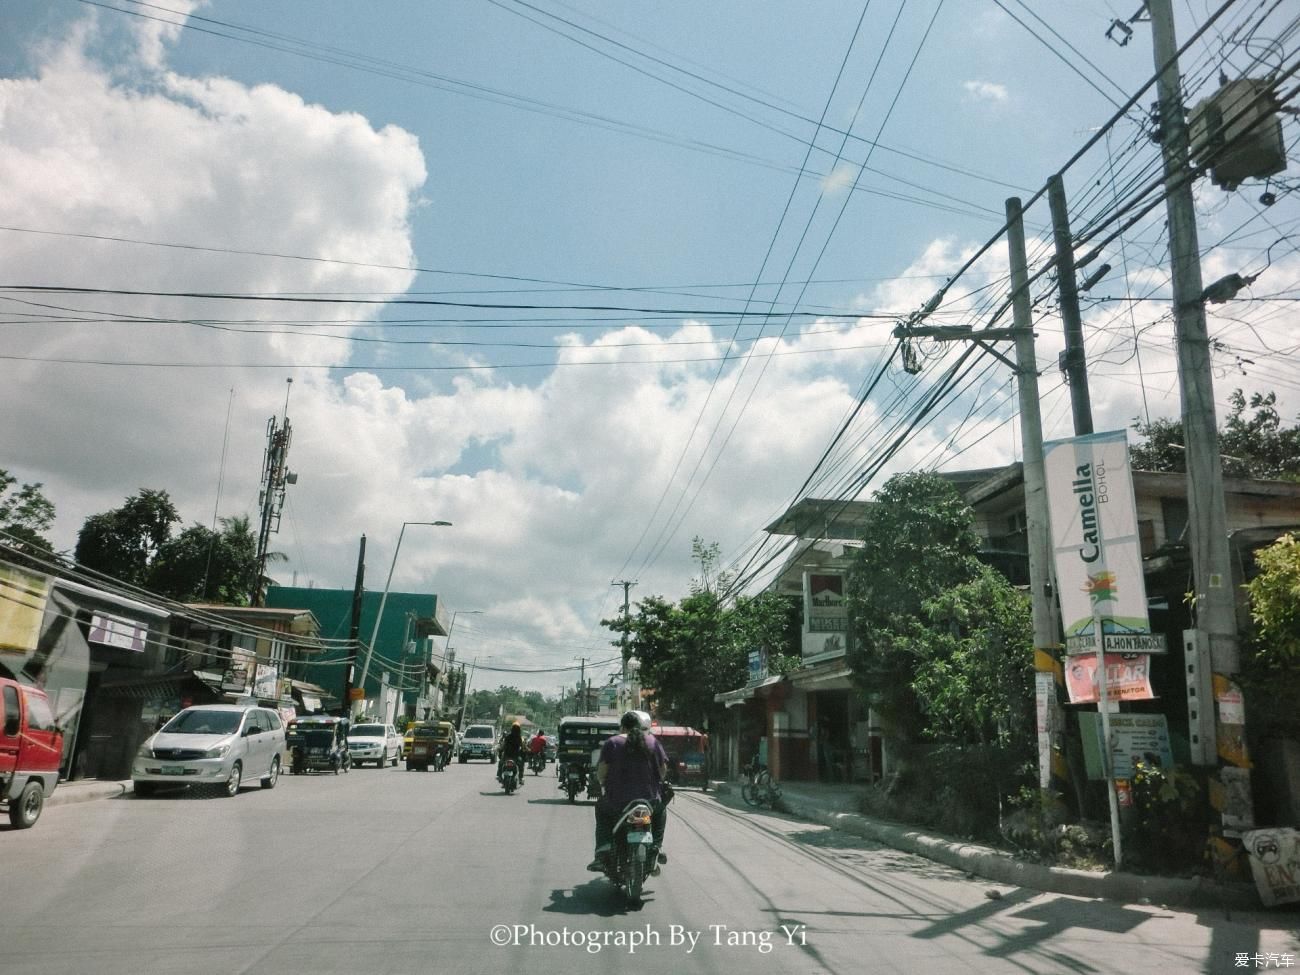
column 42, row 745
column 11, row 726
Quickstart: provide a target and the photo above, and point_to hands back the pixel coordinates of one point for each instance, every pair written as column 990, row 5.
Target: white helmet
column 635, row 719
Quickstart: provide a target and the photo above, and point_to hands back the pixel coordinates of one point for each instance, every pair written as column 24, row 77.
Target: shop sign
column 113, row 631
column 757, row 665
column 1275, row 864
column 1095, row 544
column 265, row 684
column 1137, row 738
column 1128, row 678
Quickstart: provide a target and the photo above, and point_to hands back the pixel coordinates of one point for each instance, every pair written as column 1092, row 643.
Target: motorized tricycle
column 318, row 744
column 431, row 746
column 579, row 752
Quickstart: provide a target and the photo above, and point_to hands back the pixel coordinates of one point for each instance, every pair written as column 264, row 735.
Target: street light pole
column 374, row 634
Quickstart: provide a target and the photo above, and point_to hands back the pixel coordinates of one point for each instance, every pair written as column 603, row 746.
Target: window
column 39, row 717
column 274, row 720
column 1173, row 512
column 10, row 710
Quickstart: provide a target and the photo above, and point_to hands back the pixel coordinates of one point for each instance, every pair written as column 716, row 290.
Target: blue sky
column 632, row 181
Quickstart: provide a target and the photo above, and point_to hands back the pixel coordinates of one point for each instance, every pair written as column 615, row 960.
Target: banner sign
column 1275, row 864
column 1095, row 544
column 1128, row 678
column 757, row 665
column 265, row 682
column 22, row 607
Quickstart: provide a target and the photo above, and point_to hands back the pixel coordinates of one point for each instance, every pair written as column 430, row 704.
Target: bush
column 1167, row 828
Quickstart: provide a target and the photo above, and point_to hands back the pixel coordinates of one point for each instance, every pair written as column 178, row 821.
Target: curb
column 1003, row 868
column 69, row 793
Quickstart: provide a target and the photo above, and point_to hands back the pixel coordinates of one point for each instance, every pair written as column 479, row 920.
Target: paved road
column 384, row 872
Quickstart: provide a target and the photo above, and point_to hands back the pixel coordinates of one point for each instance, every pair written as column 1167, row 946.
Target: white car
column 218, row 745
column 378, row 743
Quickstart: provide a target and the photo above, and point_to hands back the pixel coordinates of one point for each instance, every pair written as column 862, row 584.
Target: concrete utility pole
column 1037, row 531
column 1073, row 361
column 1216, row 622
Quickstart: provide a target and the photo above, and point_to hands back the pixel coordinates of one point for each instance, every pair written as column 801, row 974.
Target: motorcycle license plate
column 640, row 838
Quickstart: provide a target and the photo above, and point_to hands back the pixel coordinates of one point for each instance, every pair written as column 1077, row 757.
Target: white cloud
column 985, row 91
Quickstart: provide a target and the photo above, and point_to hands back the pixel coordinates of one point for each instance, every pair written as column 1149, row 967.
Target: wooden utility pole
column 354, row 630
column 1073, row 361
column 1215, row 612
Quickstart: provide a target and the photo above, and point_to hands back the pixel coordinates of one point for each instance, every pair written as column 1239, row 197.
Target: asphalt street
column 385, row 871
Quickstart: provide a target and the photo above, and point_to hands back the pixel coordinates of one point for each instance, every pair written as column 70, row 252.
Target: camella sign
column 1097, row 553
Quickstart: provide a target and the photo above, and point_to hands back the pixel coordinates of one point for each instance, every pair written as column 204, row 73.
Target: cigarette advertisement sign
column 1095, row 543
column 826, row 621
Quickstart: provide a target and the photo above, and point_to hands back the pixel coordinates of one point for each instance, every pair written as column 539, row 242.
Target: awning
column 739, row 696
column 159, row 686
column 832, row 676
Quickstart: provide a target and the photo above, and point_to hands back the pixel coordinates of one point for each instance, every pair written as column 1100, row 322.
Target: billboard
column 1095, row 545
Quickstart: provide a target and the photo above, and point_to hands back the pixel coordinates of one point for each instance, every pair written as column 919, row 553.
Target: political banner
column 1095, row 544
column 1128, row 678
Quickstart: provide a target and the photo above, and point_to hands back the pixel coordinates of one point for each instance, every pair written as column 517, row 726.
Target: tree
column 200, row 565
column 1255, row 445
column 695, row 649
column 1275, row 601
column 124, row 542
column 25, row 516
column 976, row 682
column 919, row 542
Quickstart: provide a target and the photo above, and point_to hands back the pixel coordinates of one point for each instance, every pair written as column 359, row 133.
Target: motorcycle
column 509, row 775
column 537, row 762
column 633, row 856
column 439, row 759
column 575, row 781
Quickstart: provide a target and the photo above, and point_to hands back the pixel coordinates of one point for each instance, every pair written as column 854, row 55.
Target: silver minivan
column 214, row 745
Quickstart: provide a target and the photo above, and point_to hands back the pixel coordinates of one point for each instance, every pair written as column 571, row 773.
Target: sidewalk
column 837, row 806
column 84, row 790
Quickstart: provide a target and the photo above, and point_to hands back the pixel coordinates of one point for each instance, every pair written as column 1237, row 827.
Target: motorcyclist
column 632, row 766
column 512, row 746
column 537, row 745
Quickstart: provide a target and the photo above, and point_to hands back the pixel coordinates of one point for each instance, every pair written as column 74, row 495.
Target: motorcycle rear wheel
column 636, row 873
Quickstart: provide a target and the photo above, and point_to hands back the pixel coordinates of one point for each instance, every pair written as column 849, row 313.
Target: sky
column 586, row 280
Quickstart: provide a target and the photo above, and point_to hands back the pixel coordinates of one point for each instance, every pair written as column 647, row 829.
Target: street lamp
column 374, row 634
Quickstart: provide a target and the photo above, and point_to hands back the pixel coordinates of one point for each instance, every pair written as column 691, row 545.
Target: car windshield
column 479, row 733
column 201, row 722
column 368, row 731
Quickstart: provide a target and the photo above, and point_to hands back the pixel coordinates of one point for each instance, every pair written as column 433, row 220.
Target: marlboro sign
column 1095, row 543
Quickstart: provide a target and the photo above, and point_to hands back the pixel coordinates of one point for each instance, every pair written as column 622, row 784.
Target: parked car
column 378, row 743
column 478, row 741
column 215, row 745
column 31, row 747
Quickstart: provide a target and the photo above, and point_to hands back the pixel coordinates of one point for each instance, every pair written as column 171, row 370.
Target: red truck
column 31, row 747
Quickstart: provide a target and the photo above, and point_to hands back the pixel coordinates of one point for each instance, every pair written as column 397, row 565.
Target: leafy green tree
column 1275, row 601
column 976, row 682
column 124, row 542
column 1255, row 444
column 25, row 516
column 200, row 565
column 919, row 542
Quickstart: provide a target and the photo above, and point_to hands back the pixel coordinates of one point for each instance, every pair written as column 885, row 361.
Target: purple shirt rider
column 631, row 776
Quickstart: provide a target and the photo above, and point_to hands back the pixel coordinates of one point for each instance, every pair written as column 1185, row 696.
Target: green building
column 403, row 650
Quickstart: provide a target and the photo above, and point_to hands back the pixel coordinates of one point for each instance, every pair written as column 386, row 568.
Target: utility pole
column 1072, row 360
column 1215, row 613
column 623, row 689
column 354, row 631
